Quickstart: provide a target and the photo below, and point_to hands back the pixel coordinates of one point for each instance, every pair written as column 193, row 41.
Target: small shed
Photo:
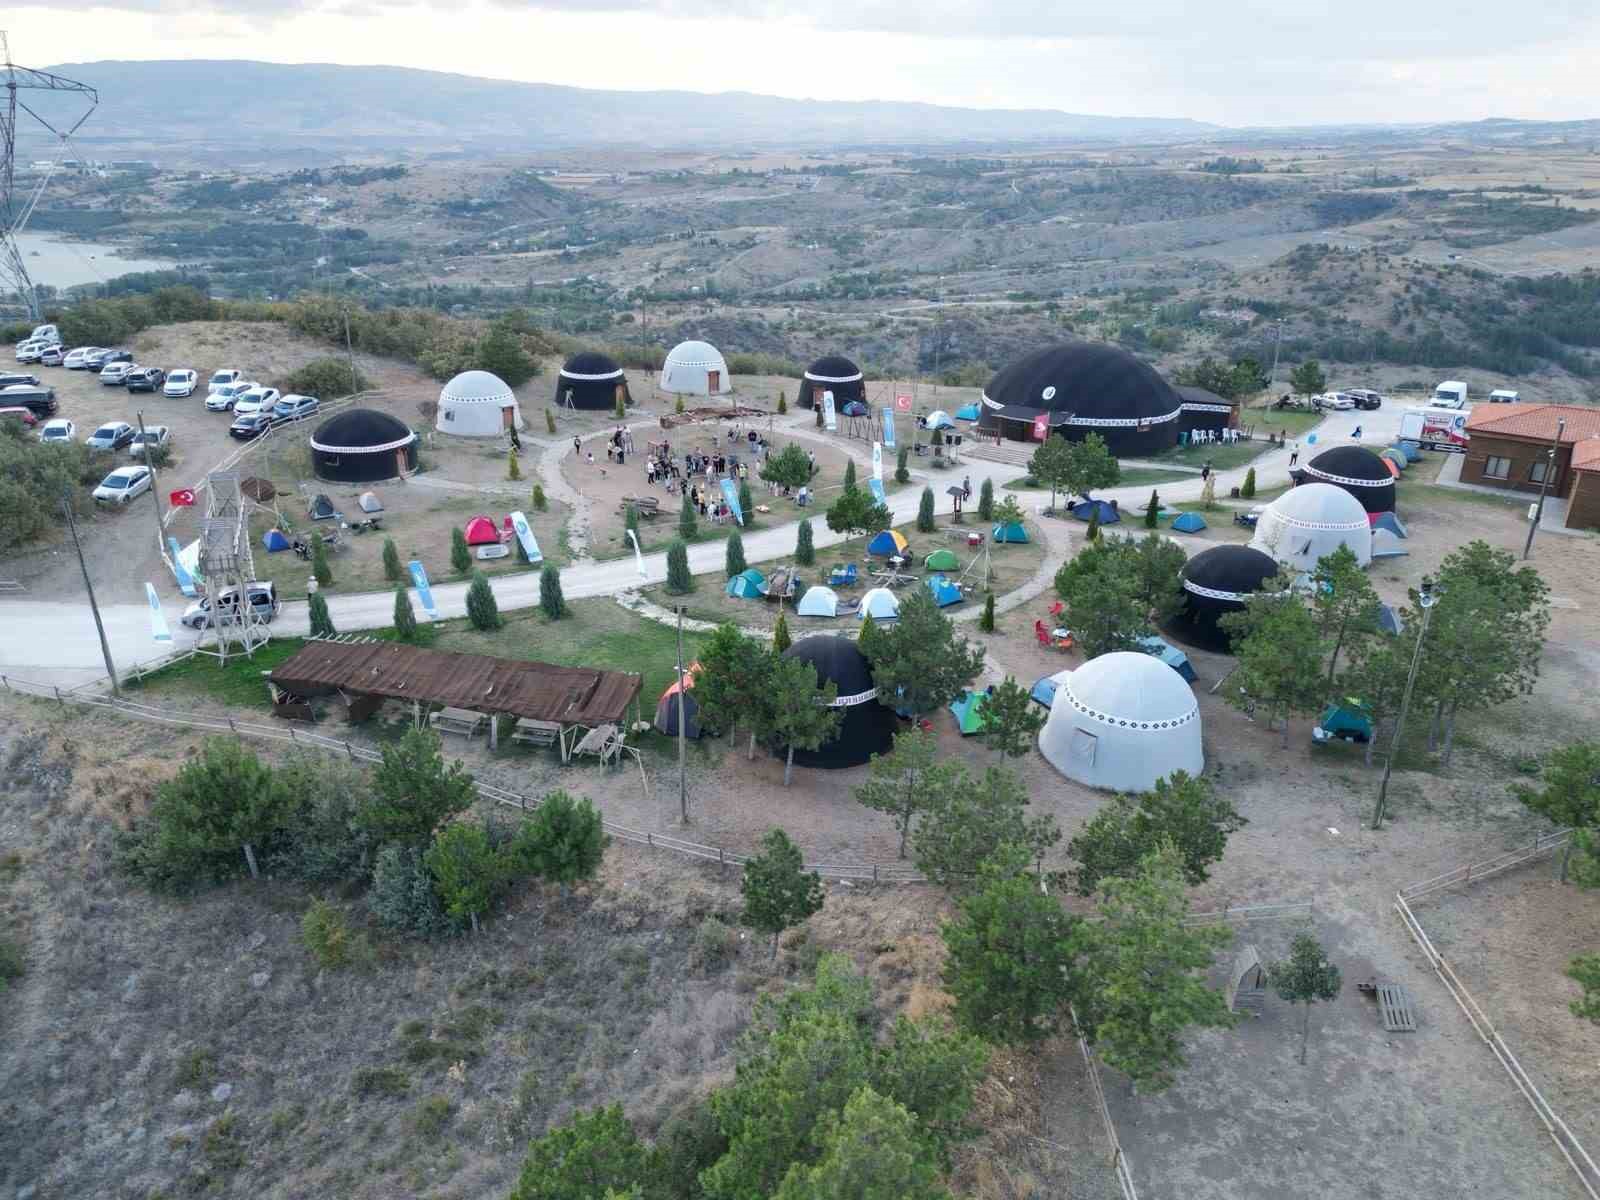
column 1247, row 982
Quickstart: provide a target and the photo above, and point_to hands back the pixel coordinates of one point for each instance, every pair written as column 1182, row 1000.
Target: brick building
column 1509, row 448
column 1583, row 504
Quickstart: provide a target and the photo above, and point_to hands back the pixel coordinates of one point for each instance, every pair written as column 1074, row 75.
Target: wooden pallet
column 1394, row 1006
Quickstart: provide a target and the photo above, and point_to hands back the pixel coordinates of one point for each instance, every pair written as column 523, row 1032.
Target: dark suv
column 104, row 358
column 145, row 379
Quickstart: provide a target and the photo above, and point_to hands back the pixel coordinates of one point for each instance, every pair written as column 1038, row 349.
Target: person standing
column 966, row 488
column 577, row 444
column 1294, row 454
column 1205, row 471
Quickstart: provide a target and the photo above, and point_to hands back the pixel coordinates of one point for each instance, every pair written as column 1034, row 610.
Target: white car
column 123, row 485
column 181, row 382
column 158, row 436
column 32, row 350
column 227, row 394
column 113, row 435
column 1338, row 401
column 74, row 361
column 254, row 400
column 295, row 408
column 58, row 430
column 114, row 374
column 225, row 376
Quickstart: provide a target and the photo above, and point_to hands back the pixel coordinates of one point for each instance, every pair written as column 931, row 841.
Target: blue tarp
column 1043, row 690
column 1084, row 509
column 1189, row 523
column 967, row 412
column 274, row 540
column 944, row 592
column 1169, row 654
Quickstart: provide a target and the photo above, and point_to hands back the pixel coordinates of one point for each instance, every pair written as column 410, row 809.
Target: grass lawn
column 1226, row 458
column 1290, row 422
column 238, row 683
column 1131, row 477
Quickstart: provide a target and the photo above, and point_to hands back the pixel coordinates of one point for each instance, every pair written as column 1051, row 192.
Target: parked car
column 116, row 374
column 158, row 436
column 261, row 597
column 25, row 415
column 1366, row 399
column 181, row 382
column 78, row 360
column 113, row 435
column 222, row 400
column 29, row 351
column 53, row 356
column 295, row 408
column 99, row 360
column 40, row 400
column 144, row 379
column 1337, row 400
column 58, row 429
column 123, row 485
column 17, row 379
column 255, row 399
column 225, row 376
column 250, row 425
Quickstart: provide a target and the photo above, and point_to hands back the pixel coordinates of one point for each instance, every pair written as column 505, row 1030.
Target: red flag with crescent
column 182, row 498
column 1041, row 427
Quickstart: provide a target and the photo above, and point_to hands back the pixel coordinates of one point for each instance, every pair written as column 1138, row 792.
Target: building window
column 1497, row 468
column 1537, row 470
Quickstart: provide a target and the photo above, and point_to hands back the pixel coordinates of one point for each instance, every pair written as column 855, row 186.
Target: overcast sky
column 1236, row 62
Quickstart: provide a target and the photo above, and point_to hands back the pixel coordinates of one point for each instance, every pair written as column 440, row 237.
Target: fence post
column 648, row 840
column 291, row 734
column 1468, row 880
column 59, row 700
column 874, row 874
column 231, row 728
column 722, row 863
column 349, row 752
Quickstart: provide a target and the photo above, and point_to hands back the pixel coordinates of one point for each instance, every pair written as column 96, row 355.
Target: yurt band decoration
column 582, row 378
column 1106, row 719
column 856, row 378
column 858, row 698
column 394, row 445
column 1346, row 480
column 1330, row 526
column 1107, row 422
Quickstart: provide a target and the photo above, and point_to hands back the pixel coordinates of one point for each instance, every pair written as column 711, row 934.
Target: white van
column 1504, row 396
column 46, row 333
column 1452, row 393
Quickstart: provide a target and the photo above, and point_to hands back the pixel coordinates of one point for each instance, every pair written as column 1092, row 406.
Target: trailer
column 1436, row 428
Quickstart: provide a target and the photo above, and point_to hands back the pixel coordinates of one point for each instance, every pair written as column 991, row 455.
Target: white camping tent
column 1123, row 721
column 818, row 602
column 880, row 604
column 695, row 369
column 1312, row 520
column 477, row 404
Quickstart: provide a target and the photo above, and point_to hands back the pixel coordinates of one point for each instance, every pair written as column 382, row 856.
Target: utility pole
column 105, row 646
column 350, row 354
column 1277, row 345
column 1544, row 485
column 1426, row 598
column 155, row 491
column 683, row 782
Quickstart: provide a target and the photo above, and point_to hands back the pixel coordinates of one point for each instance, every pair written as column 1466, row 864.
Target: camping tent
column 1082, row 388
column 854, row 408
column 363, row 445
column 1389, row 620
column 831, row 373
column 1086, row 509
column 1188, row 523
column 944, row 592
column 1312, row 520
column 477, row 404
column 1358, row 471
column 746, row 585
column 818, row 602
column 1215, row 582
column 938, row 419
column 1168, row 653
column 967, row 412
column 1012, row 532
column 667, row 707
column 1390, row 522
column 967, row 709
column 868, row 727
column 1386, row 545
column 942, row 560
column 322, row 508
column 591, row 380
column 1395, row 455
column 880, row 604
column 1412, row 450
column 1043, row 690
column 1123, row 721
column 481, row 531
column 695, row 369
column 274, row 541
column 1351, row 720
column 369, row 503
column 887, row 542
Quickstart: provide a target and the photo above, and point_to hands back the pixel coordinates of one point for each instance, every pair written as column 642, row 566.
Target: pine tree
column 1247, row 489
column 1305, row 977
column 513, row 467
column 321, row 621
column 539, row 502
column 405, row 617
column 781, row 640
column 391, row 562
column 986, row 620
column 986, row 501
column 1092, row 533
column 460, row 555
column 319, row 561
column 551, row 600
column 482, row 610
column 620, row 409
column 777, row 891
column 678, row 406
column 902, row 470
column 850, row 475
column 549, row 421
column 925, row 512
column 688, row 524
column 679, row 581
column 804, row 552
column 1152, row 511
column 783, row 404
column 734, row 562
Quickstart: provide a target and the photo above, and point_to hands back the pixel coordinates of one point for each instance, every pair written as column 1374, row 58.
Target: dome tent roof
column 1129, row 690
column 1319, row 506
column 361, row 431
column 1227, row 572
column 1311, row 521
column 1092, row 381
column 833, row 368
column 867, row 727
column 590, row 366
column 476, row 387
column 1359, row 471
column 840, row 661
column 689, row 366
column 697, row 354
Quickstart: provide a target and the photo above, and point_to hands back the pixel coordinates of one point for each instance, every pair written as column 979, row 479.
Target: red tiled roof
column 1586, row 455
column 1535, row 421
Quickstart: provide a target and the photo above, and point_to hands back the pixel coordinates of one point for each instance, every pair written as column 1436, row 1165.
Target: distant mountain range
column 209, row 108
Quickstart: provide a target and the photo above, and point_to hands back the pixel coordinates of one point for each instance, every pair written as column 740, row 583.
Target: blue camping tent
column 1413, row 450
column 1043, row 690
column 1169, row 654
column 1390, row 522
column 274, row 540
column 1389, row 620
column 944, row 592
column 968, row 710
column 887, row 542
column 854, row 408
column 1013, row 533
column 1189, row 523
column 1084, row 509
column 938, row 419
column 967, row 412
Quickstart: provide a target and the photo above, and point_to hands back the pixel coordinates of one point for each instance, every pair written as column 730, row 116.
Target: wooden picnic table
column 536, row 733
column 458, row 720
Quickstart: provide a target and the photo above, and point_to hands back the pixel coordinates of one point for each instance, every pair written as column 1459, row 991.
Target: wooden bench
column 536, row 733
column 646, row 506
column 603, row 742
column 457, row 720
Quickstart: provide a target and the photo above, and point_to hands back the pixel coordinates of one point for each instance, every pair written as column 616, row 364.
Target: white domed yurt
column 1310, row 521
column 695, row 369
column 477, row 404
column 1121, row 722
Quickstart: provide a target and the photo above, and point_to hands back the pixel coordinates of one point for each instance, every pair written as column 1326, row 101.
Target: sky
column 1233, row 62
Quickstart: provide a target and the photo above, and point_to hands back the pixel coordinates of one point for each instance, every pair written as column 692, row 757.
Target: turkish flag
column 1041, row 427
column 902, row 404
column 182, row 498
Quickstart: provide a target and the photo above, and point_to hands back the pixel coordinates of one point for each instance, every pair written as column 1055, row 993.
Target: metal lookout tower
column 226, row 562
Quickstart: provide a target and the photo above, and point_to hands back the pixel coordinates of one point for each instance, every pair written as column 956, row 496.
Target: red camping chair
column 1042, row 634
column 507, row 531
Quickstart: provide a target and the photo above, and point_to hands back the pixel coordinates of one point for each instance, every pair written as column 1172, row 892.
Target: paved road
column 54, row 642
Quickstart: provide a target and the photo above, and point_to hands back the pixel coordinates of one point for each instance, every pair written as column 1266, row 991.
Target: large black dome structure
column 831, row 373
column 868, row 727
column 1357, row 470
column 591, row 380
column 1216, row 582
column 363, row 445
column 1083, row 388
column 1204, row 409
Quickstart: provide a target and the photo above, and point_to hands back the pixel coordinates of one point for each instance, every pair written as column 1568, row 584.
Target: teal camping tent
column 1012, row 532
column 967, row 709
column 746, row 585
column 1189, row 523
column 1169, row 654
column 944, row 592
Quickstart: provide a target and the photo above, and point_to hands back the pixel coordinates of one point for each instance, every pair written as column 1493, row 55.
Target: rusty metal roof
column 540, row 691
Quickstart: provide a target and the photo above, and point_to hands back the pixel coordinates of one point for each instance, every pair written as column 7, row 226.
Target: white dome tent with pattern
column 1310, row 521
column 695, row 369
column 1121, row 722
column 477, row 404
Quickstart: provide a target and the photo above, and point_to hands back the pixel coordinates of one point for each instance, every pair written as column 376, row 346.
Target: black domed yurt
column 591, row 380
column 832, row 373
column 363, row 445
column 1205, row 411
column 868, row 727
column 1357, row 470
column 1216, row 582
column 1083, row 388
